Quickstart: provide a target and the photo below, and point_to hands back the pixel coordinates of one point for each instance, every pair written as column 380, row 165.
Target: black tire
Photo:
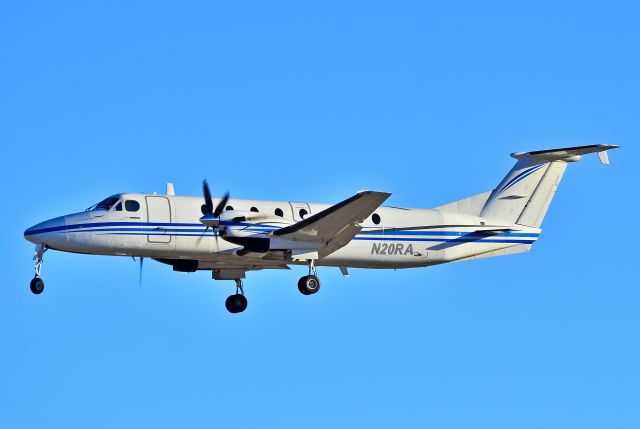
column 36, row 285
column 236, row 303
column 308, row 285
column 301, row 287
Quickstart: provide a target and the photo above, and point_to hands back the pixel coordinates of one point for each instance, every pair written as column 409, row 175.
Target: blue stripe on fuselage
column 457, row 240
column 453, row 233
column 152, row 227
column 412, row 239
column 198, row 230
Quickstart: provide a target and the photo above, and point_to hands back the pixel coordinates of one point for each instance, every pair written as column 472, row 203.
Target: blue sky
column 312, row 102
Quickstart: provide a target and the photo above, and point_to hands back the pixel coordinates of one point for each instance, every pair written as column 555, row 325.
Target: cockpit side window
column 107, row 203
column 118, row 207
column 131, row 205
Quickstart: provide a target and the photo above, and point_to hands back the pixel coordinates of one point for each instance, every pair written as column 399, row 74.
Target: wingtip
column 374, row 192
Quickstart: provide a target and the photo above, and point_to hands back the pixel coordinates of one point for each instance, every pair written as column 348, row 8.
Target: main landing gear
column 37, row 284
column 237, row 303
column 309, row 284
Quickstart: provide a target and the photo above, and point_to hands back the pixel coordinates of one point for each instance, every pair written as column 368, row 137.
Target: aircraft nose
column 45, row 232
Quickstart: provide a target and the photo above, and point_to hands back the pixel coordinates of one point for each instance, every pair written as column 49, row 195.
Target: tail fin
column 525, row 194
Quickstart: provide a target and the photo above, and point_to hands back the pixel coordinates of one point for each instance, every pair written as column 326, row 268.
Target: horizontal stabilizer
column 471, row 236
column 567, row 154
column 494, row 231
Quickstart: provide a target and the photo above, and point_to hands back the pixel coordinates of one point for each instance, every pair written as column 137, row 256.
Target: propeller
column 210, row 216
column 140, row 274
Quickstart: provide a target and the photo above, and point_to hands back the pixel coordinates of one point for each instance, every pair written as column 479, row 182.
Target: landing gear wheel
column 236, row 303
column 308, row 285
column 301, row 287
column 36, row 285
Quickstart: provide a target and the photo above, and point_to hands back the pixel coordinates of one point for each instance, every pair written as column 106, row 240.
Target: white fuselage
column 232, row 237
column 168, row 228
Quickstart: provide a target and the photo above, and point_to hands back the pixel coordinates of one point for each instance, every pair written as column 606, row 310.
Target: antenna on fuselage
column 170, row 191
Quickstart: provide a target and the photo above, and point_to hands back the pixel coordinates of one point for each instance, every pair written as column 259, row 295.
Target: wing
column 335, row 226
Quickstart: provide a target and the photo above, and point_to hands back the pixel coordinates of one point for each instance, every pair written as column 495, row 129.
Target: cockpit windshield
column 105, row 204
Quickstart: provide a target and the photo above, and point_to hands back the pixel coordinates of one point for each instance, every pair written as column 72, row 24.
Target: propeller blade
column 140, row 273
column 202, row 235
column 211, row 217
column 221, row 205
column 208, row 204
column 213, row 231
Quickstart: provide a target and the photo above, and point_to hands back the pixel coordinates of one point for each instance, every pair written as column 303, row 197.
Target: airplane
column 231, row 237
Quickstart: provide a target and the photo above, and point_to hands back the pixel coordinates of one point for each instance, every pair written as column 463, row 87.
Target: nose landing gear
column 237, row 303
column 37, row 284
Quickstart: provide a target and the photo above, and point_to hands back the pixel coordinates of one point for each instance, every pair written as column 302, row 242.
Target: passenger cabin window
column 303, row 213
column 229, row 208
column 279, row 212
column 131, row 206
column 376, row 218
column 253, row 209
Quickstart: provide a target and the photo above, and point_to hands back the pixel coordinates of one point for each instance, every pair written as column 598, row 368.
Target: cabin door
column 159, row 218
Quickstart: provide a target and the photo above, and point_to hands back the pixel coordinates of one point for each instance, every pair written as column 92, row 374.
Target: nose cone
column 47, row 232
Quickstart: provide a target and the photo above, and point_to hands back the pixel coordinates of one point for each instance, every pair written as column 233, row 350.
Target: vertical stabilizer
column 537, row 206
column 524, row 195
column 508, row 200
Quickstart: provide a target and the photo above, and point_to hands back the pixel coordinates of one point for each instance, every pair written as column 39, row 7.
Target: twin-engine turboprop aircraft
column 230, row 237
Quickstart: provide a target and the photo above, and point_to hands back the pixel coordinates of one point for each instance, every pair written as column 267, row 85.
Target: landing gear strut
column 309, row 284
column 37, row 284
column 237, row 303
